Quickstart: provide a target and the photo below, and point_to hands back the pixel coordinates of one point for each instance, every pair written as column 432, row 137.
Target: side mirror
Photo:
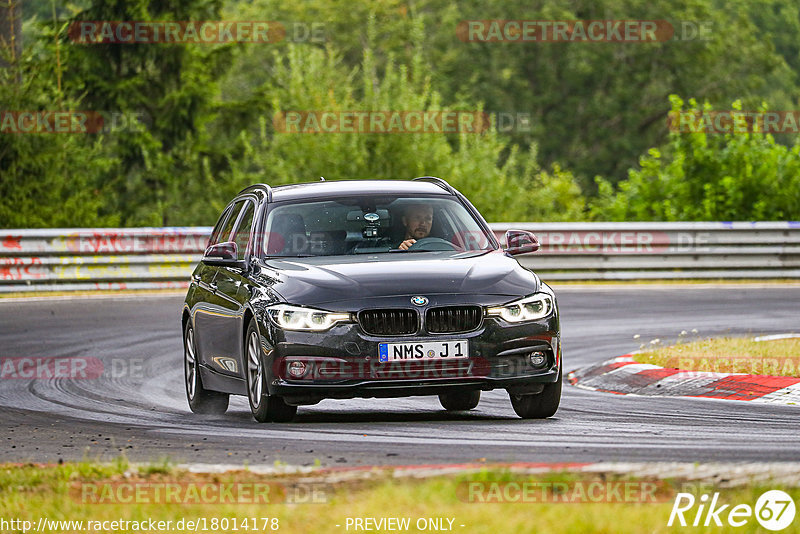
column 521, row 242
column 223, row 255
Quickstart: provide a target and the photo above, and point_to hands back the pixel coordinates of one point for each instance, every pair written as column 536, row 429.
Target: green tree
column 47, row 179
column 172, row 86
column 594, row 106
column 597, row 106
column 707, row 177
column 503, row 182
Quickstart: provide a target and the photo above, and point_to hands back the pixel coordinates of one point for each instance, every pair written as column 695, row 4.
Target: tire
column 460, row 401
column 201, row 400
column 540, row 405
column 263, row 406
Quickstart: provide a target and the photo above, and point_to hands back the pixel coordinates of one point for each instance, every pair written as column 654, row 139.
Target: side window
column 214, row 239
column 227, row 228
column 242, row 234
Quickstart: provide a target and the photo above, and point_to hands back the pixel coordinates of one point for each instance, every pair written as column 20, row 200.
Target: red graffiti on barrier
column 19, row 268
column 12, row 242
column 110, row 285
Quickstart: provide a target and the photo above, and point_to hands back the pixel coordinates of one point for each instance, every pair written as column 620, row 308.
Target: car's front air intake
column 395, row 322
column 452, row 319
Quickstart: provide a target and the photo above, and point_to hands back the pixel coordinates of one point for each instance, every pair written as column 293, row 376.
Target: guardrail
column 104, row 258
column 642, row 250
column 146, row 258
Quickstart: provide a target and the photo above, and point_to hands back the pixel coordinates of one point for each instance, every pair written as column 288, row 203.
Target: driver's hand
column 407, row 243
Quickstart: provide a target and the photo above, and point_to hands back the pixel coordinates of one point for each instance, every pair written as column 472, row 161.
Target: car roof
column 333, row 188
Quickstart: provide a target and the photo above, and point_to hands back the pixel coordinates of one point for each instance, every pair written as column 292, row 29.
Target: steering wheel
column 432, row 243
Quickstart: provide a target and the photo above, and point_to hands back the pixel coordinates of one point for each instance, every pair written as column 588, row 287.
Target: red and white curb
column 625, row 376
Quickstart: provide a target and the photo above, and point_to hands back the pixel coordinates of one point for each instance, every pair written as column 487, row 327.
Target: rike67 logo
column 774, row 510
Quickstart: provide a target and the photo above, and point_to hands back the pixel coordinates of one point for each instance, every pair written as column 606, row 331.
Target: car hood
column 319, row 280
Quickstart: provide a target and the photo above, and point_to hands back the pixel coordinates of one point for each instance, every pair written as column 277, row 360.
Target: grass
column 780, row 357
column 163, row 466
column 28, row 492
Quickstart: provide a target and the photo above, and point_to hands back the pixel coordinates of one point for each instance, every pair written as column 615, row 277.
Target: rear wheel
column 458, row 401
column 201, row 400
column 540, row 405
column 263, row 406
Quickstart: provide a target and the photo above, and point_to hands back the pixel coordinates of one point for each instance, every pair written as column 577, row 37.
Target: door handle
column 195, row 278
column 212, row 286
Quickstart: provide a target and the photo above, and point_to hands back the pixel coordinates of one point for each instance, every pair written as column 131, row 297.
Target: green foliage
column 172, row 86
column 700, row 176
column 503, row 183
column 595, row 108
column 162, row 466
column 48, row 179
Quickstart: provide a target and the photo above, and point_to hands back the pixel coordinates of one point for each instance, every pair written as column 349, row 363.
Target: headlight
column 297, row 318
column 527, row 309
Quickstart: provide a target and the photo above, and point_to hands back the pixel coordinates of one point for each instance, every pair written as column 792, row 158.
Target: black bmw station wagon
column 366, row 288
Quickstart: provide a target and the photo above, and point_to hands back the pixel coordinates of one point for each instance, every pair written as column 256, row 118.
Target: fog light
column 296, row 369
column 537, row 359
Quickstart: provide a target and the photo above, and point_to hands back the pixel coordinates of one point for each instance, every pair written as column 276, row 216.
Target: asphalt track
column 143, row 413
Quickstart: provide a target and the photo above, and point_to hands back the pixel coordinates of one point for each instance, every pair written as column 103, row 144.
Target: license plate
column 430, row 350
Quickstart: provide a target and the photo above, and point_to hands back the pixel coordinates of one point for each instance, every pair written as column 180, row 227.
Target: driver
column 418, row 220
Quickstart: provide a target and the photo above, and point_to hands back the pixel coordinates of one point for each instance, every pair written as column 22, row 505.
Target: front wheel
column 263, row 406
column 540, row 405
column 201, row 400
column 460, row 401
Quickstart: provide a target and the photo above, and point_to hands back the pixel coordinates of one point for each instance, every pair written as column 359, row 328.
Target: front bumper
column 342, row 362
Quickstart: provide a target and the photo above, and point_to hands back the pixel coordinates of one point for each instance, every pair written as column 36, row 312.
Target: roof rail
column 264, row 188
column 438, row 181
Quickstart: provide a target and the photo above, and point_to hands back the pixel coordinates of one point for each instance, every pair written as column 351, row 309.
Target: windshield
column 371, row 224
